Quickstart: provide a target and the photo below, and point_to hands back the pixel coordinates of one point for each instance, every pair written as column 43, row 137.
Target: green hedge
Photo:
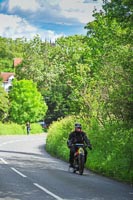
column 112, row 146
column 16, row 129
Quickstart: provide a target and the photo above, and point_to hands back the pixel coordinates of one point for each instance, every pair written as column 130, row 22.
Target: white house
column 7, row 78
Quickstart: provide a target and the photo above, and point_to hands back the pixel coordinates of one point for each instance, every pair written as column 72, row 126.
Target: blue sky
column 48, row 18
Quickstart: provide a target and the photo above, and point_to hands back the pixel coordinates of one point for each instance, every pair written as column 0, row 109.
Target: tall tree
column 26, row 102
column 32, row 66
column 10, row 49
column 111, row 49
column 121, row 10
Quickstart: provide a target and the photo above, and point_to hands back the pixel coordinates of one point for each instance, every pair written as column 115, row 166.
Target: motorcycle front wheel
column 75, row 168
column 81, row 164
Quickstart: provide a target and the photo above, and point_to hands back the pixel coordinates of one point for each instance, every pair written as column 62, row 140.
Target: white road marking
column 47, row 191
column 3, row 161
column 18, row 172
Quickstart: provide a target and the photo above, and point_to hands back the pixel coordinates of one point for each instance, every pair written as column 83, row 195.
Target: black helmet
column 77, row 125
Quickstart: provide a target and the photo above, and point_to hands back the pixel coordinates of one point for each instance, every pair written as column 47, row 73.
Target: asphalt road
column 28, row 172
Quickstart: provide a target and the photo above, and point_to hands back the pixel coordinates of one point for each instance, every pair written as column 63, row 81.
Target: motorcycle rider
column 77, row 136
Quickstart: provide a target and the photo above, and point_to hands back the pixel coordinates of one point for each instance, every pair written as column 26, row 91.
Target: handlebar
column 81, row 145
column 78, row 144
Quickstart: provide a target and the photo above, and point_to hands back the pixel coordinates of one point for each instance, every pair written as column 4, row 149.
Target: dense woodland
column 86, row 76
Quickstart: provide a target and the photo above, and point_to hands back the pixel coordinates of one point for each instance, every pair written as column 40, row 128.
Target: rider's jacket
column 78, row 137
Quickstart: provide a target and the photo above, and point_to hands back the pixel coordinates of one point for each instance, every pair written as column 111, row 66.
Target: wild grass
column 16, row 129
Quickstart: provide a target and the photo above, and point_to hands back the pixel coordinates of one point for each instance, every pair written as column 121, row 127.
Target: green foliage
column 4, row 104
column 27, row 103
column 32, row 66
column 58, row 71
column 112, row 146
column 36, row 128
column 11, row 129
column 112, row 68
column 57, row 137
column 10, row 49
column 112, row 153
column 120, row 10
column 16, row 129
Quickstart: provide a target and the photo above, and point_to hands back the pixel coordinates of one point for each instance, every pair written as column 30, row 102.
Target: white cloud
column 79, row 10
column 82, row 12
column 67, row 9
column 24, row 5
column 26, row 18
column 12, row 26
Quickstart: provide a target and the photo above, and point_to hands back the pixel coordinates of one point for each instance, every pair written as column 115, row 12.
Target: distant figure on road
column 28, row 128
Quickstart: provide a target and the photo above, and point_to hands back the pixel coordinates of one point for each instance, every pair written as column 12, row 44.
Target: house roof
column 6, row 75
column 17, row 61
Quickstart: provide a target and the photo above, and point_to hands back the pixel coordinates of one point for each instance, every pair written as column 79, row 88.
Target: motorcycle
column 79, row 158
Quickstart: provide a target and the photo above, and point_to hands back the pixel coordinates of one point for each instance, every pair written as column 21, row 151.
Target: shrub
column 16, row 129
column 112, row 146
